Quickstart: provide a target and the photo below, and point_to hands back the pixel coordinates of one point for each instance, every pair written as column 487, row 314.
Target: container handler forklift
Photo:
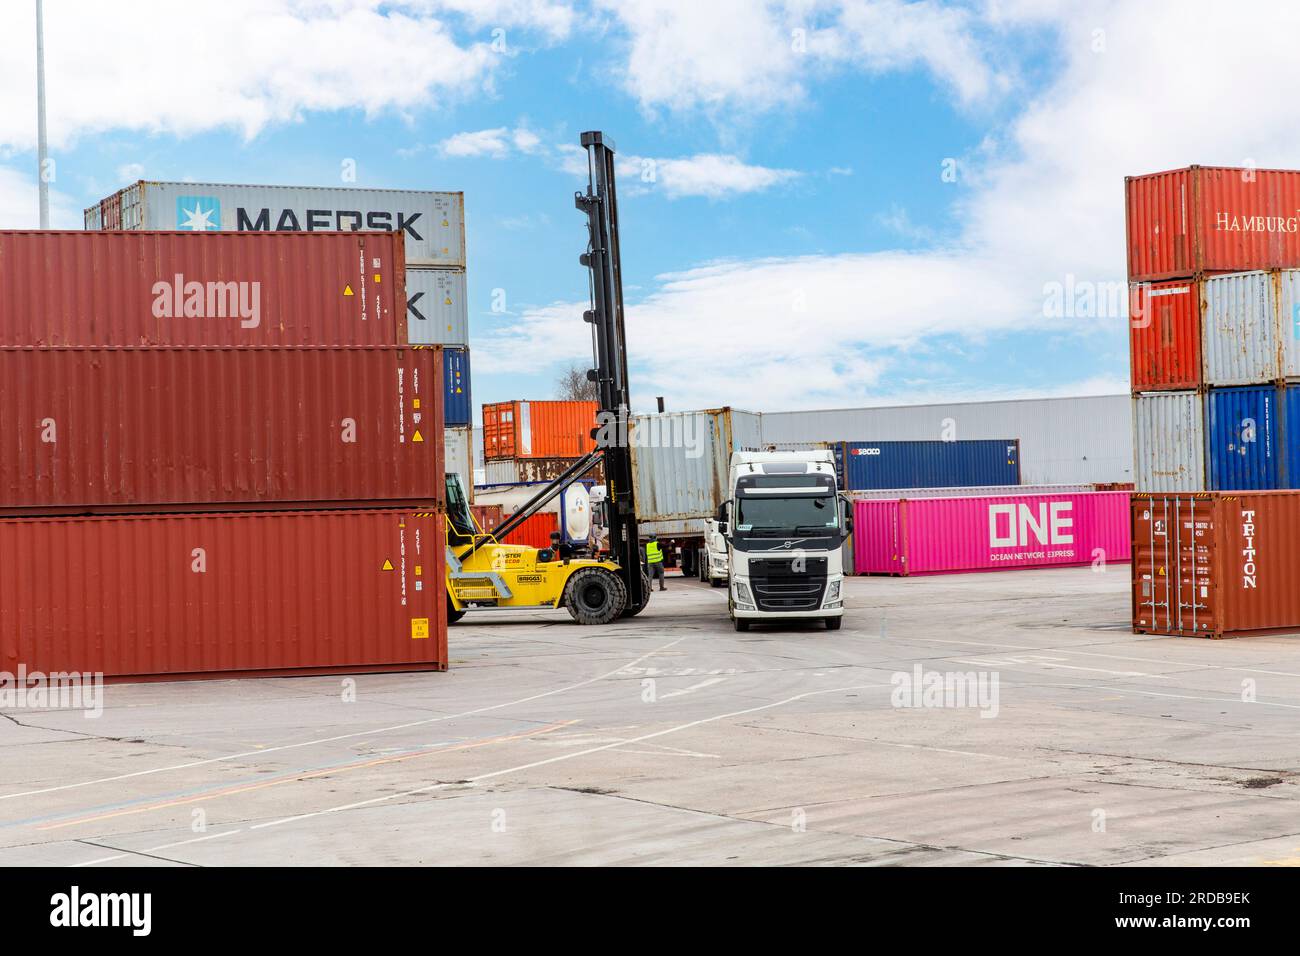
column 484, row 573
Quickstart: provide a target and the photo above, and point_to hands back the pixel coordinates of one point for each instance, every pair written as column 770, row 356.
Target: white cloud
column 714, row 176
column 762, row 54
column 485, row 142
column 20, row 208
column 130, row 172
column 185, row 68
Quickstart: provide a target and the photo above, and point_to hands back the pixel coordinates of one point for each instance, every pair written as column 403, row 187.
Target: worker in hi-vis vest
column 654, row 559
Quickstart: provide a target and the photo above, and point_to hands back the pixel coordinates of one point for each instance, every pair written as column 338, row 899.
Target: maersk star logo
column 198, row 213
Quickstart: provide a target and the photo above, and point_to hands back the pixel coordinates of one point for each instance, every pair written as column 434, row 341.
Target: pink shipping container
column 1204, row 219
column 112, row 430
column 943, row 535
column 223, row 595
column 111, row 289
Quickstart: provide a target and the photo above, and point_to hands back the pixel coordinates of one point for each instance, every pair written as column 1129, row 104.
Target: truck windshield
column 804, row 514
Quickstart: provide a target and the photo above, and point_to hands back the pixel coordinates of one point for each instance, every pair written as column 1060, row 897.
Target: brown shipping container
column 202, row 288
column 1216, row 564
column 220, row 595
column 538, row 429
column 488, row 516
column 1201, row 219
column 110, row 430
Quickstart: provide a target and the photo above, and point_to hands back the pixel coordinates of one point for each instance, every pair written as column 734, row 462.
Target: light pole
column 42, row 186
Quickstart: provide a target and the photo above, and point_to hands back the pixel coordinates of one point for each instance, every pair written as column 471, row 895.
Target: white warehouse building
column 1062, row 440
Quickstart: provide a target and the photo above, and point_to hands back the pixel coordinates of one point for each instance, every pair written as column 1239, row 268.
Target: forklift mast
column 609, row 341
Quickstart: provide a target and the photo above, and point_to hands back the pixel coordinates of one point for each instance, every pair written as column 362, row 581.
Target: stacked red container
column 218, row 456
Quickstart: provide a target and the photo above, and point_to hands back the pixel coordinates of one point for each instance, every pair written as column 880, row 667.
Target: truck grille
column 777, row 586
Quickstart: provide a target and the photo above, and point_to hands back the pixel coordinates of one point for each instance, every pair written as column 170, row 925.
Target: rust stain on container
column 202, row 288
column 1204, row 219
column 219, row 595
column 86, row 430
column 1217, row 564
column 550, row 429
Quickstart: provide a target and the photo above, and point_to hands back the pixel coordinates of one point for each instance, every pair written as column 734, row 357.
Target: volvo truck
column 785, row 523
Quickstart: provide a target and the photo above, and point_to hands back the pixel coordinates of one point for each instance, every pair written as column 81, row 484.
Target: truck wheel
column 453, row 615
column 716, row 582
column 594, row 596
column 740, row 624
column 833, row 623
column 629, row 610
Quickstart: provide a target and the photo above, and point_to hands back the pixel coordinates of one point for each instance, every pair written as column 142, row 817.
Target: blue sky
column 797, row 243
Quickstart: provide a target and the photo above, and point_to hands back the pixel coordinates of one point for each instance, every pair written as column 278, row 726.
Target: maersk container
column 931, row 464
column 1240, row 329
column 1205, row 219
column 108, row 430
column 681, row 463
column 175, row 289
column 437, row 309
column 1217, row 564
column 538, row 429
column 1169, row 442
column 180, row 596
column 1165, row 335
column 1243, row 439
column 432, row 222
column 456, row 408
column 989, row 533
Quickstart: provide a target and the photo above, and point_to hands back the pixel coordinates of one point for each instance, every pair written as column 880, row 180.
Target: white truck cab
column 785, row 524
column 716, row 563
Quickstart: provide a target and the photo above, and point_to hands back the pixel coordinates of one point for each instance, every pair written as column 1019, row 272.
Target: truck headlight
column 833, row 591
column 742, row 593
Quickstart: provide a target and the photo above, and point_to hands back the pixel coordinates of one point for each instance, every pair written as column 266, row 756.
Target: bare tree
column 572, row 386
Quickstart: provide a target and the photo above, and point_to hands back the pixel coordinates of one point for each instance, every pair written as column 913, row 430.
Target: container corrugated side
column 1169, row 442
column 1216, row 565
column 879, row 494
column 681, row 463
column 931, row 464
column 457, row 408
column 458, row 449
column 1240, row 343
column 510, row 471
column 1165, row 336
column 433, row 223
column 988, row 533
column 1243, row 439
column 1204, row 219
column 99, row 289
column 535, row 531
column 437, row 307
column 221, row 595
column 121, row 429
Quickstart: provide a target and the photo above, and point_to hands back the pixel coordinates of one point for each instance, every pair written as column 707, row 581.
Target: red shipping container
column 1201, row 219
column 536, row 530
column 202, row 288
column 1216, row 564
column 538, row 429
column 1165, row 335
column 108, row 430
column 223, row 595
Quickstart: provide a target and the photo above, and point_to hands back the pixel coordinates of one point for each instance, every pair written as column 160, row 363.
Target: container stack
column 1212, row 257
column 213, row 457
column 432, row 225
column 1215, row 302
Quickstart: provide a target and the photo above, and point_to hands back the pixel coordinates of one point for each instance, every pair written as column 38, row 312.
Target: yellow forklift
column 482, row 572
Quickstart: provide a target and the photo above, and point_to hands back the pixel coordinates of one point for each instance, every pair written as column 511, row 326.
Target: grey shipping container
column 514, row 471
column 1169, row 440
column 436, row 309
column 680, row 463
column 433, row 222
column 1239, row 330
column 459, row 446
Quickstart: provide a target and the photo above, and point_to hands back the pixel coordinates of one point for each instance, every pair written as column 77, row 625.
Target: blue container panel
column 456, row 405
column 1290, row 432
column 1241, row 436
column 932, row 464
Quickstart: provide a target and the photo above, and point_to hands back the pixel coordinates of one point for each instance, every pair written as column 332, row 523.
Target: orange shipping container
column 538, row 429
column 535, row 532
column 1216, row 564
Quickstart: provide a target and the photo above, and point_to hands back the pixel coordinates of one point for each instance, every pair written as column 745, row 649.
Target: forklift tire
column 833, row 623
column 740, row 624
column 453, row 615
column 594, row 596
column 630, row 611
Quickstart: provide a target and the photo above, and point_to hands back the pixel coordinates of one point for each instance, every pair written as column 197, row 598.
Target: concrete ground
column 672, row 739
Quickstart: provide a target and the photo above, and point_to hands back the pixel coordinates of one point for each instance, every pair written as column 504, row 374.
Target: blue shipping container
column 1241, row 437
column 932, row 464
column 456, row 411
column 1290, row 432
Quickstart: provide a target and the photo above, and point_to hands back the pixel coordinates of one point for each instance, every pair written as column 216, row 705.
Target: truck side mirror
column 848, row 516
column 721, row 519
column 722, row 528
